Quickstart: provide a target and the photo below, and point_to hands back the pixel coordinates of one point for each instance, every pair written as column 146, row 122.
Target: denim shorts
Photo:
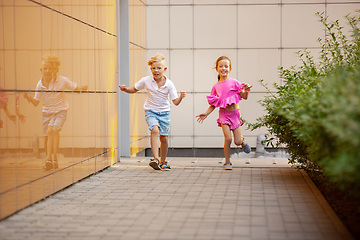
column 160, row 119
column 53, row 120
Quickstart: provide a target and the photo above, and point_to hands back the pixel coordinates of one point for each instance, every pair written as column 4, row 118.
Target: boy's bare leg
column 50, row 144
column 56, row 140
column 154, row 141
column 45, row 144
column 227, row 141
column 164, row 146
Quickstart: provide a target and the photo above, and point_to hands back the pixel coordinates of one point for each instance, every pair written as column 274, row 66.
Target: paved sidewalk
column 197, row 199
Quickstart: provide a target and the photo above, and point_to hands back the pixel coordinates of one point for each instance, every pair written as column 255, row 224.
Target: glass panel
column 57, row 96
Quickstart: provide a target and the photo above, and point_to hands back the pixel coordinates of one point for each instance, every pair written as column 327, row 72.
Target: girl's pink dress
column 223, row 94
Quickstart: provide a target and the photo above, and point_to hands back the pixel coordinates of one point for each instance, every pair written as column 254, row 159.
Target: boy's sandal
column 246, row 147
column 48, row 165
column 154, row 163
column 228, row 166
column 56, row 164
column 164, row 166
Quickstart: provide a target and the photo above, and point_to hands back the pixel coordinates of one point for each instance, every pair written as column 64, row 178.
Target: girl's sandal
column 228, row 166
column 246, row 147
column 164, row 166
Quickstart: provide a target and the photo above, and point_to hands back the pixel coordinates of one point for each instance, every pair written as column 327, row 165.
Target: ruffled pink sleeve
column 229, row 95
column 3, row 98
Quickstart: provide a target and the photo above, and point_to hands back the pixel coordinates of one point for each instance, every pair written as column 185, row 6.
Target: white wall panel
column 182, row 117
column 181, row 27
column 257, row 35
column 181, row 69
column 157, row 23
column 300, row 26
column 259, row 26
column 256, row 64
column 213, row 31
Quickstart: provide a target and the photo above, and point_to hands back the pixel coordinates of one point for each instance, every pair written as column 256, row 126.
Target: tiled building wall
column 257, row 35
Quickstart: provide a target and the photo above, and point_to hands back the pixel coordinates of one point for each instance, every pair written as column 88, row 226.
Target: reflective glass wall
column 138, row 69
column 58, row 96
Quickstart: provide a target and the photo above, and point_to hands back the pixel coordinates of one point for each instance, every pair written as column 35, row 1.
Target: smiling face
column 158, row 69
column 47, row 70
column 223, row 68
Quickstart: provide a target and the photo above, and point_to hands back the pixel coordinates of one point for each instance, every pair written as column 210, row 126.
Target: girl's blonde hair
column 157, row 58
column 222, row 58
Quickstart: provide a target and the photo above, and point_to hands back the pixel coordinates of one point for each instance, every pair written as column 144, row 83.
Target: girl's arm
column 178, row 100
column 245, row 91
column 128, row 90
column 12, row 117
column 201, row 117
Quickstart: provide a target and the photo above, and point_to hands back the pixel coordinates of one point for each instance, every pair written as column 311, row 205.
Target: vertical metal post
column 123, row 77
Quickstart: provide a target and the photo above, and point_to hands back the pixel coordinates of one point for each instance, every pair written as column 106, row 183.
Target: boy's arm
column 128, row 90
column 178, row 100
column 82, row 88
column 31, row 99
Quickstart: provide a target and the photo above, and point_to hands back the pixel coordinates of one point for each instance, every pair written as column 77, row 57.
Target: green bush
column 316, row 112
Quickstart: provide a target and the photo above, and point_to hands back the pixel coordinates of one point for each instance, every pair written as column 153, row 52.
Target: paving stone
column 197, row 199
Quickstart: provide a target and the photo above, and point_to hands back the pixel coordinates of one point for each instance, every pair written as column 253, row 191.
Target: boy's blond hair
column 51, row 59
column 157, row 58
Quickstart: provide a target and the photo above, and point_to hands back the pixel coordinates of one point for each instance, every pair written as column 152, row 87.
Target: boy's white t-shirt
column 157, row 98
column 54, row 102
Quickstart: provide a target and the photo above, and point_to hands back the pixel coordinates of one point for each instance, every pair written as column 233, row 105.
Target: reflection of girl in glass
column 49, row 90
column 3, row 105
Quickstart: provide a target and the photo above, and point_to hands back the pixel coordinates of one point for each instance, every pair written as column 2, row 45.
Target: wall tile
column 300, row 26
column 157, row 2
column 157, row 20
column 216, row 2
column 181, row 27
column 258, row 26
column 339, row 11
column 182, row 117
column 256, row 64
column 181, row 69
column 181, row 142
column 302, row 1
column 253, row 2
column 215, row 32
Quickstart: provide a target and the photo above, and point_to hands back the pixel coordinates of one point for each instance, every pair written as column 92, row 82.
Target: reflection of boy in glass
column 49, row 90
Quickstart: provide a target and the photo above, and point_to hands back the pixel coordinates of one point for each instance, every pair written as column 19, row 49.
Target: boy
column 157, row 108
column 49, row 90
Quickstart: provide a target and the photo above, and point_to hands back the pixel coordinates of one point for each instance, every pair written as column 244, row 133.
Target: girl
column 226, row 94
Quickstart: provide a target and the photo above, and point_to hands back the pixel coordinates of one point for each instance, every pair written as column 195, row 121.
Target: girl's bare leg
column 238, row 139
column 154, row 141
column 227, row 141
column 164, row 140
